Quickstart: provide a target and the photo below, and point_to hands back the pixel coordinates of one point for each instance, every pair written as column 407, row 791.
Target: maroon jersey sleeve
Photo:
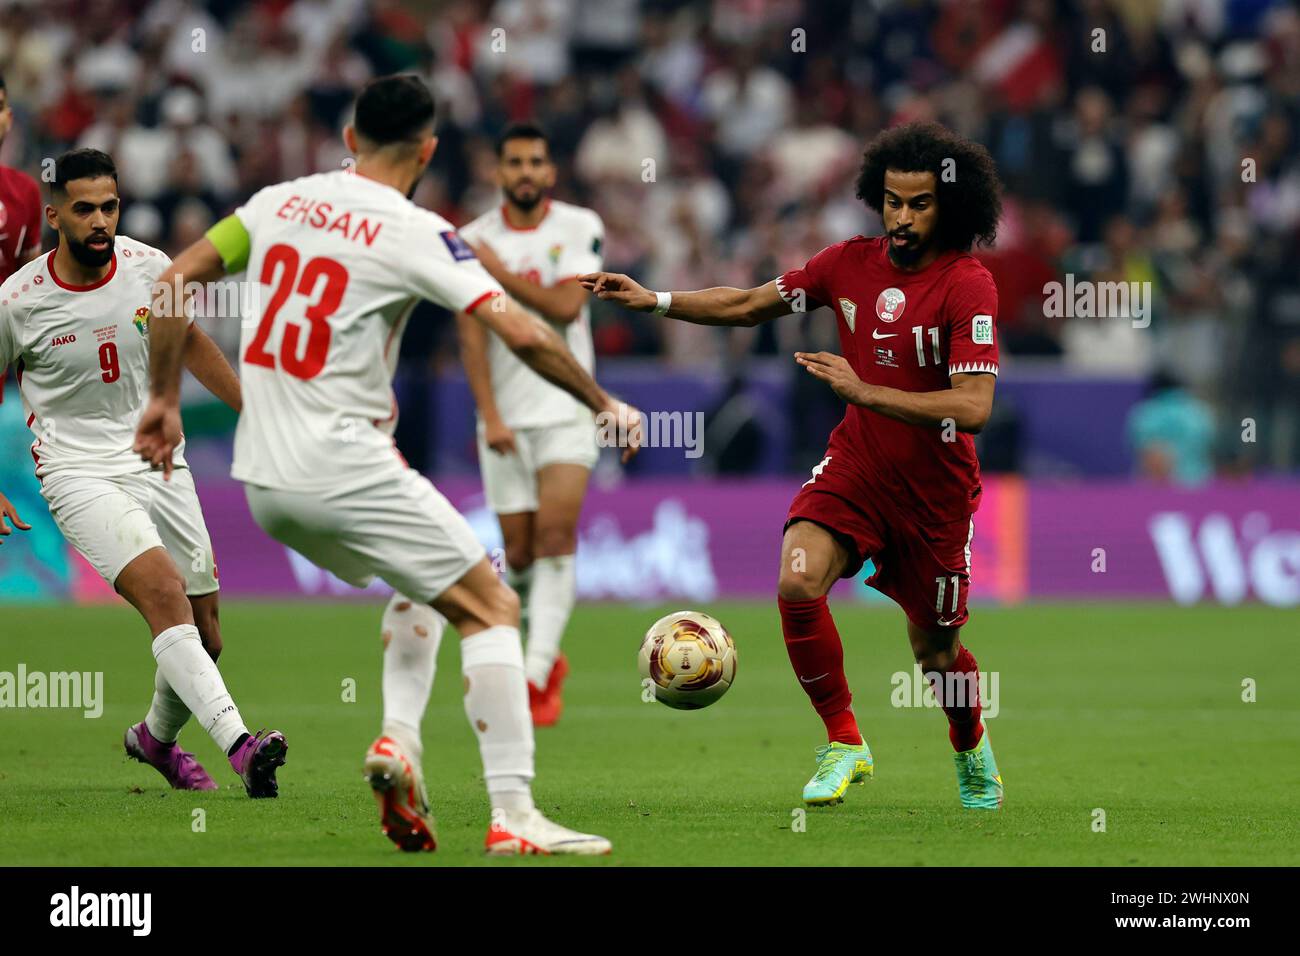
column 808, row 288
column 971, row 315
column 33, row 238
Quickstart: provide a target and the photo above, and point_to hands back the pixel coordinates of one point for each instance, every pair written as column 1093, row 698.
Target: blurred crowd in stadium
column 1139, row 140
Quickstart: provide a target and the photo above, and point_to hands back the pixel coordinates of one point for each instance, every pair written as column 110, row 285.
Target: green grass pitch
column 1134, row 710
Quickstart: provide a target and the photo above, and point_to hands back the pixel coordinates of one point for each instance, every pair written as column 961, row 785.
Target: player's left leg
column 953, row 672
column 561, row 489
column 153, row 740
column 347, row 535
column 929, row 577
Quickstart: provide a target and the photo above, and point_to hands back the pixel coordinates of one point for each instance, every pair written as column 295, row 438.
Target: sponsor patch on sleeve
column 981, row 330
column 458, row 247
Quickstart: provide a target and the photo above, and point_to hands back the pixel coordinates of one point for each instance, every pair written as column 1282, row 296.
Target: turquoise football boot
column 978, row 782
column 838, row 765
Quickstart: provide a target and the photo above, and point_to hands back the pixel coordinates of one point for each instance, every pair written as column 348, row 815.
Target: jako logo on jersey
column 458, row 247
column 890, row 304
column 63, row 339
column 141, row 320
column 850, row 310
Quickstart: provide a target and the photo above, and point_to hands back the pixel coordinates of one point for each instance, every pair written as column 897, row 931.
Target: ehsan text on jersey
column 321, row 215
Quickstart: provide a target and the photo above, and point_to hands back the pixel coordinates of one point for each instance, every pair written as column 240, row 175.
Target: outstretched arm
column 541, row 349
column 206, row 363
column 717, row 306
column 560, row 303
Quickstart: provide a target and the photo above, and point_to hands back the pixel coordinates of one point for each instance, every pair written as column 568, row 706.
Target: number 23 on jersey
column 323, row 282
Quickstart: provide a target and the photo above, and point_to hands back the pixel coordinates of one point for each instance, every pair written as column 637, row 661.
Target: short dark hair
column 969, row 204
column 2, row 81
column 81, row 164
column 393, row 109
column 522, row 131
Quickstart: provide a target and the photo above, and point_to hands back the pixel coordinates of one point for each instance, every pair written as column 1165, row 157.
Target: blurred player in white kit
column 76, row 323
column 536, row 443
column 341, row 259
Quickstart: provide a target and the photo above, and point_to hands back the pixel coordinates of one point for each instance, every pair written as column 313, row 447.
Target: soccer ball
column 688, row 658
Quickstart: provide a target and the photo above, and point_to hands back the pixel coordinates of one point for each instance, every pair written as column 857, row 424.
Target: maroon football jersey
column 20, row 218
column 910, row 331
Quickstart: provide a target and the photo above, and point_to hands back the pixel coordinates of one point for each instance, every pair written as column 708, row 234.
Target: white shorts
column 510, row 480
column 401, row 529
column 112, row 521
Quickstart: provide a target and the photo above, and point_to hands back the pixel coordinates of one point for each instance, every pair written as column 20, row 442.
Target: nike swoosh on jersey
column 815, row 679
column 875, row 334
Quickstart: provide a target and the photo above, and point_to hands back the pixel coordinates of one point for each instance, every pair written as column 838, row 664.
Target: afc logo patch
column 890, row 304
column 981, row 330
column 460, row 249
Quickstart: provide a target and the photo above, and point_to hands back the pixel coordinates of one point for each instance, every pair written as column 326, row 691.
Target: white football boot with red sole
column 525, row 834
column 404, row 810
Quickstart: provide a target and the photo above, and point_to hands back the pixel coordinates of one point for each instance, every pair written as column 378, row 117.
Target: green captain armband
column 232, row 242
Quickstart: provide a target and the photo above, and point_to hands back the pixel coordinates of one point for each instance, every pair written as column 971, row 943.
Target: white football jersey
column 82, row 355
column 566, row 243
column 337, row 263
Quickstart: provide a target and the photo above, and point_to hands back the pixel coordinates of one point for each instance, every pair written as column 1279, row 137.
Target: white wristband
column 663, row 300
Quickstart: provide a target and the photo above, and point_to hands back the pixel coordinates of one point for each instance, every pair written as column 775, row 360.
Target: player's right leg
column 175, row 511
column 561, row 488
column 812, row 559
column 106, row 521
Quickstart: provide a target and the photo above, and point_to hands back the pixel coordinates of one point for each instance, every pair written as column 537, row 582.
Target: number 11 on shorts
column 956, row 592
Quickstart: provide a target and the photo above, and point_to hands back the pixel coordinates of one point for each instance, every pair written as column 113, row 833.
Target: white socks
column 551, row 603
column 496, row 703
column 194, row 677
column 412, row 633
column 167, row 714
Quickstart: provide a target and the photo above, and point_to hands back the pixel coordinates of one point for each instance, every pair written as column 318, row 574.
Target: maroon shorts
column 923, row 568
